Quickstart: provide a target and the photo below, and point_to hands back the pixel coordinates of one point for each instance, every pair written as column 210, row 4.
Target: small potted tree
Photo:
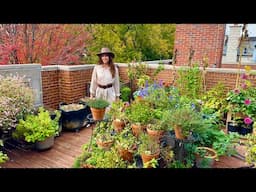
column 98, row 108
column 39, row 129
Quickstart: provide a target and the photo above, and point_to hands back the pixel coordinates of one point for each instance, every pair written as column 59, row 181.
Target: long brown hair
column 110, row 63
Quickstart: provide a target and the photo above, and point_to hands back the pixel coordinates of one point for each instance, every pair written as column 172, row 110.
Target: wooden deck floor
column 68, row 146
column 62, row 155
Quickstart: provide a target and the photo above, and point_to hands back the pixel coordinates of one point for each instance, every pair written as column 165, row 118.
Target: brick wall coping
column 20, row 66
column 216, row 70
column 89, row 66
column 67, row 67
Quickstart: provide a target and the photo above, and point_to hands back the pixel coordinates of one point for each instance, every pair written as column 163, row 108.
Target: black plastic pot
column 245, row 130
column 74, row 120
column 233, row 127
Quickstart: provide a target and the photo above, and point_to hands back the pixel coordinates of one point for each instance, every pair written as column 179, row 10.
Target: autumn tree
column 42, row 43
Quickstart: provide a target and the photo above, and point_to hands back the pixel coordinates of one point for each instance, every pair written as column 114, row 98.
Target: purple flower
column 161, row 83
column 247, row 120
column 146, row 83
column 247, row 102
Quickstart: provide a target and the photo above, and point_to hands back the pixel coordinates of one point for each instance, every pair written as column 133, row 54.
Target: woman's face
column 105, row 58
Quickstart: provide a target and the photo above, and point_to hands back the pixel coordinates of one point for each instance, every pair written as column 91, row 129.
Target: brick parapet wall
column 205, row 39
column 68, row 83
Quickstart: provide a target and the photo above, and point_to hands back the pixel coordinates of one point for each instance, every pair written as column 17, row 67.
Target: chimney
column 233, row 42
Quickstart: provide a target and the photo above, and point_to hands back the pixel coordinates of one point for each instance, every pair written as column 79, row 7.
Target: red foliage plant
column 47, row 44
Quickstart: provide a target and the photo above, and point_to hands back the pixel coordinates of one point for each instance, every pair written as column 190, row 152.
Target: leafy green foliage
column 125, row 93
column 37, row 127
column 189, row 82
column 131, row 42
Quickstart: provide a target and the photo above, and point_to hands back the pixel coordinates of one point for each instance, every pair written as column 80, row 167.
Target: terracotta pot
column 137, row 129
column 88, row 166
column 178, row 132
column 146, row 157
column 155, row 134
column 125, row 154
column 98, row 114
column 209, row 158
column 118, row 125
column 105, row 145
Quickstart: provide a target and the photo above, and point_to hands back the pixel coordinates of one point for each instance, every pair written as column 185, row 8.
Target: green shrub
column 125, row 93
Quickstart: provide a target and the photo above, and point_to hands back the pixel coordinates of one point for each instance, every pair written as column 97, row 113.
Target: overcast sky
column 251, row 29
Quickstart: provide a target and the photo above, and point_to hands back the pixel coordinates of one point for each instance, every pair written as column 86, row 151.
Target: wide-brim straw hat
column 106, row 50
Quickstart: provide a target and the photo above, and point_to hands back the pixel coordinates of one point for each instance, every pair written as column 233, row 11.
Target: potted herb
column 184, row 120
column 98, row 107
column 39, row 129
column 104, row 135
column 117, row 113
column 126, row 144
column 139, row 114
column 148, row 148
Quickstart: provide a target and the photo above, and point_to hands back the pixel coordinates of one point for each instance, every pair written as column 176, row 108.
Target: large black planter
column 245, row 130
column 74, row 120
column 240, row 128
column 233, row 127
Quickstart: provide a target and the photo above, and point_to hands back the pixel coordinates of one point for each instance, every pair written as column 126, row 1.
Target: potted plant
column 205, row 157
column 103, row 135
column 159, row 124
column 126, row 144
column 117, row 113
column 148, row 148
column 73, row 115
column 39, row 129
column 139, row 114
column 98, row 107
column 184, row 120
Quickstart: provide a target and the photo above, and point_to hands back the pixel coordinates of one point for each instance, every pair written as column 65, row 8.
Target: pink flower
column 244, row 76
column 244, row 86
column 237, row 91
column 247, row 102
column 247, row 120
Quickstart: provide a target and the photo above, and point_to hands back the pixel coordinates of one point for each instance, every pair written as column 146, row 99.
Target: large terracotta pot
column 208, row 160
column 98, row 114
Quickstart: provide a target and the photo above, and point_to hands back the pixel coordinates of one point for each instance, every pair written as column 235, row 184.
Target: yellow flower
column 248, row 83
column 247, row 69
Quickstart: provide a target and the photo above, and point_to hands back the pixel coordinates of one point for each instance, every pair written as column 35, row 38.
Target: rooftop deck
column 68, row 146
